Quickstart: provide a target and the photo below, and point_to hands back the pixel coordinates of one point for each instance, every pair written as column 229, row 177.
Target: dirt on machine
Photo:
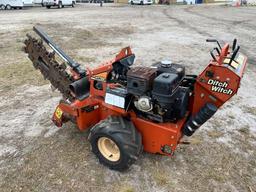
column 133, row 109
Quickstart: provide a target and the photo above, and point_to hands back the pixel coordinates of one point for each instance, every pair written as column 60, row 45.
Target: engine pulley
column 144, row 104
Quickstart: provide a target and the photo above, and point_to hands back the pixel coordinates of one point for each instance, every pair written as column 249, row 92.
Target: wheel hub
column 109, row 149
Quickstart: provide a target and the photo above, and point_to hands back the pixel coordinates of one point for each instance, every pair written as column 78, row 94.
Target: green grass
column 15, row 75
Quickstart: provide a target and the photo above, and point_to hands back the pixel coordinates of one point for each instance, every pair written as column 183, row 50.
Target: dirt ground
column 37, row 156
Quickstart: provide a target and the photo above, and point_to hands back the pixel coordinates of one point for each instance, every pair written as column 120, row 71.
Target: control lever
column 234, row 44
column 214, row 41
column 212, row 54
column 218, row 51
column 234, row 55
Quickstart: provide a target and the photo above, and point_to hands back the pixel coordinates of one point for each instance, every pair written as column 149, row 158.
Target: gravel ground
column 37, row 156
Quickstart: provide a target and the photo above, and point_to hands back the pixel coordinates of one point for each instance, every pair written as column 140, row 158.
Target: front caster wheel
column 116, row 143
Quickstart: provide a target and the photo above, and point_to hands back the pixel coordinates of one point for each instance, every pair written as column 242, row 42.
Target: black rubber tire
column 73, row 4
column 141, row 3
column 126, row 137
column 8, row 7
column 48, row 7
column 60, row 5
column 132, row 3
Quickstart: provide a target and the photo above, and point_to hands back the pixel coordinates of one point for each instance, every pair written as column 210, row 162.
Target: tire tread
column 125, row 135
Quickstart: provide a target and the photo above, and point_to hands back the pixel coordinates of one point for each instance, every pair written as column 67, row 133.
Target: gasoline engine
column 158, row 91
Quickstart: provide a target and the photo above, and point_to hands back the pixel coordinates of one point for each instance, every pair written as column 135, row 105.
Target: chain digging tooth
column 28, row 36
column 63, row 66
column 40, row 42
column 51, row 54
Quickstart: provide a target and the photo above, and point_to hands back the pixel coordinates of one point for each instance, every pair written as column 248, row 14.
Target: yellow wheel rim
column 109, row 149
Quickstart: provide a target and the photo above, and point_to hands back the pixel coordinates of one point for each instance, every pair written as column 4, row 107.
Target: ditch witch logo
column 220, row 87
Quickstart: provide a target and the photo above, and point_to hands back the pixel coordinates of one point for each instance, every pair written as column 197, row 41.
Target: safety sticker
column 100, row 76
column 58, row 113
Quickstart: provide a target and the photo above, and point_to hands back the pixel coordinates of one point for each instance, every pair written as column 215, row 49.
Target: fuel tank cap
column 166, row 63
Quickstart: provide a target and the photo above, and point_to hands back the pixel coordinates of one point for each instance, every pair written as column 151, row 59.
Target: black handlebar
column 212, row 54
column 234, row 44
column 234, row 55
column 214, row 41
column 235, row 50
column 218, row 51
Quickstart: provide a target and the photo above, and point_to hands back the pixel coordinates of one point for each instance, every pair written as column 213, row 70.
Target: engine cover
column 164, row 85
column 170, row 96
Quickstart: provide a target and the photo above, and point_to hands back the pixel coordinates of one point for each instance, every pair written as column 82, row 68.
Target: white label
column 115, row 100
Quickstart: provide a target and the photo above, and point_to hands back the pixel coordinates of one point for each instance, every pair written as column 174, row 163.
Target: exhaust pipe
column 196, row 121
column 80, row 88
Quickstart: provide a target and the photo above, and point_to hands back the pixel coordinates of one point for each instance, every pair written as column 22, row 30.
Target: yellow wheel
column 109, row 149
column 116, row 142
